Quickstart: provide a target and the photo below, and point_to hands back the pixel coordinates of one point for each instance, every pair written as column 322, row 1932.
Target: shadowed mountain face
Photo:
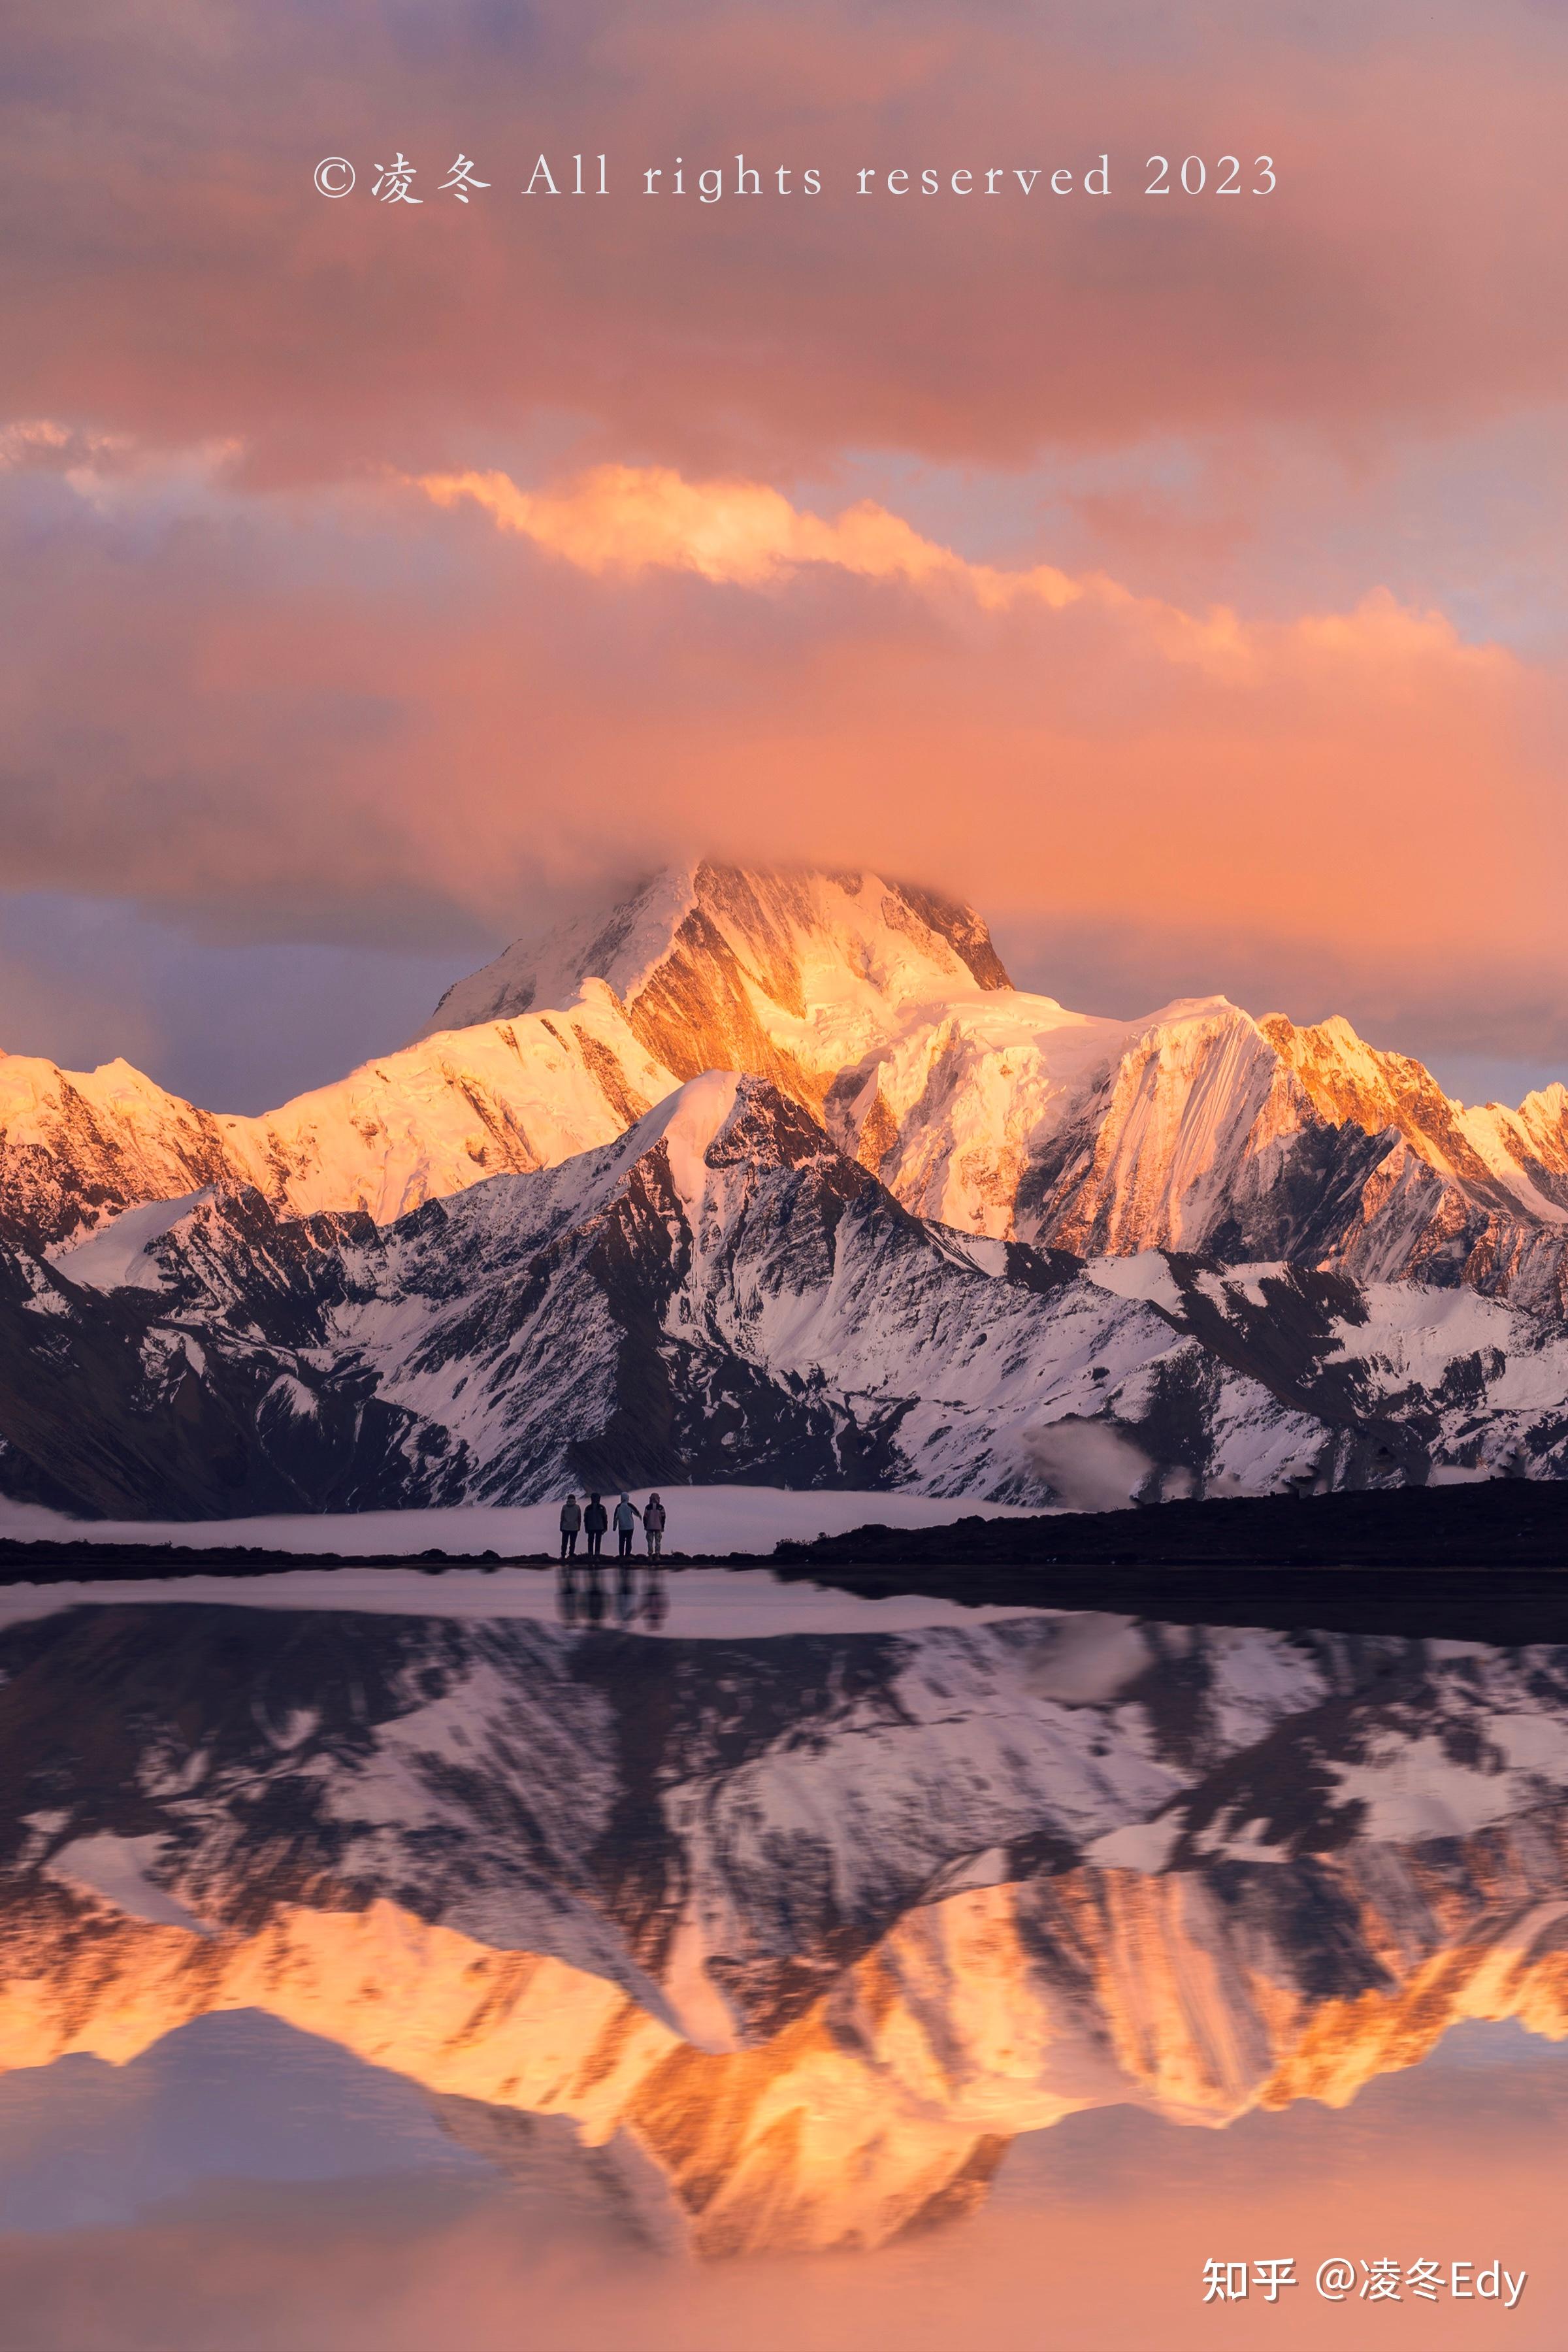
column 800, row 1932
column 723, row 1295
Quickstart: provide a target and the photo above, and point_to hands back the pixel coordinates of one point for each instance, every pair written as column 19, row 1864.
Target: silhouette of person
column 595, row 1519
column 653, row 1527
column 626, row 1517
column 571, row 1520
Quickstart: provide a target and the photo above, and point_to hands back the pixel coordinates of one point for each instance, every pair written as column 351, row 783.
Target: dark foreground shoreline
column 1483, row 1562
column 1486, row 1562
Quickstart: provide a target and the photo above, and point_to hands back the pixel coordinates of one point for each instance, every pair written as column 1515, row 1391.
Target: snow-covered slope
column 721, row 1293
column 810, row 1928
column 414, row 1125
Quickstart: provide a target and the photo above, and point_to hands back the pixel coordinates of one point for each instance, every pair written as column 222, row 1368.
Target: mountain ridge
column 884, row 1009
column 721, row 1293
column 762, row 1218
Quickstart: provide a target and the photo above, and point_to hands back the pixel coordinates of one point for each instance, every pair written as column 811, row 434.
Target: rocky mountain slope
column 721, row 1293
column 883, row 1010
column 801, row 1931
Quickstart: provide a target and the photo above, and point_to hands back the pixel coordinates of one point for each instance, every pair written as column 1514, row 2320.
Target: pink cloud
column 371, row 693
column 174, row 273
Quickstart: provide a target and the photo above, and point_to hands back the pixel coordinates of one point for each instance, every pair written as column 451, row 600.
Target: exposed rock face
column 888, row 1012
column 721, row 1293
column 109, row 1408
column 810, row 1926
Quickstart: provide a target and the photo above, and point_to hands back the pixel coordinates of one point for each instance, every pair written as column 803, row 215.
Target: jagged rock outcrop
column 425, row 1239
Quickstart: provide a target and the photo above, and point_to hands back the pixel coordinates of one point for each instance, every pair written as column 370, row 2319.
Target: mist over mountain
column 775, row 1176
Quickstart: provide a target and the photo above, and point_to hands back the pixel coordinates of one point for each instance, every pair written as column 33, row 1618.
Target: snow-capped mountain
column 721, row 1293
column 799, row 1932
column 885, row 1011
column 775, row 1176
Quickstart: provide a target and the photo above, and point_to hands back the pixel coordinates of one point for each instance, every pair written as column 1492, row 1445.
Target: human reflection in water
column 581, row 1598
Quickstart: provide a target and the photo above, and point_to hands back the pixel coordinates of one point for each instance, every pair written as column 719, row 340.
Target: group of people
column 593, row 1522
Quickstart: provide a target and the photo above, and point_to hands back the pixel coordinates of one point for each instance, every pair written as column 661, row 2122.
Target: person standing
column 626, row 1517
column 653, row 1526
column 595, row 1519
column 571, row 1520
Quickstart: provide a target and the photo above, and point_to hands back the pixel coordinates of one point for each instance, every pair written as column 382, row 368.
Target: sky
column 1178, row 576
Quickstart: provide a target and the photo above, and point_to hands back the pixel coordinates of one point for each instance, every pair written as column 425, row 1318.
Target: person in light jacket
column 626, row 1517
column 653, row 1526
column 595, row 1519
column 571, row 1520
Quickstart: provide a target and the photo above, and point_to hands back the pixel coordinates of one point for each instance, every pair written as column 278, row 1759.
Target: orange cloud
column 486, row 686
column 634, row 518
column 737, row 533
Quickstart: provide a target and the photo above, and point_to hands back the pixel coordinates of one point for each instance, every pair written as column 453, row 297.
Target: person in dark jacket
column 571, row 1520
column 653, row 1526
column 626, row 1517
column 595, row 1519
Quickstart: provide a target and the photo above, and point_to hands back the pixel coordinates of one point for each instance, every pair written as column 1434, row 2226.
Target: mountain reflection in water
column 781, row 1941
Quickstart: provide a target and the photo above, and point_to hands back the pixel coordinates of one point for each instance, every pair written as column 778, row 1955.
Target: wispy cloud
column 736, row 534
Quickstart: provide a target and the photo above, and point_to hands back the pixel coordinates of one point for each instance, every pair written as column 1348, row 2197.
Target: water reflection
column 641, row 1593
column 797, row 1934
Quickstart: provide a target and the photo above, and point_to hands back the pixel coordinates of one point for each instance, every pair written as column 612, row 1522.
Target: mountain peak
column 790, row 933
